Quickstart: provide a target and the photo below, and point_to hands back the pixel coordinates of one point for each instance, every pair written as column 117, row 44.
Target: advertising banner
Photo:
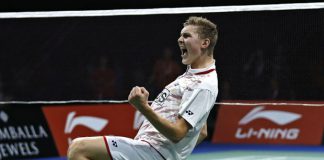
column 24, row 133
column 72, row 121
column 265, row 124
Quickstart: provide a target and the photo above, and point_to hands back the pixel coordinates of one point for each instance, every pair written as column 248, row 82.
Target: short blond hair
column 206, row 29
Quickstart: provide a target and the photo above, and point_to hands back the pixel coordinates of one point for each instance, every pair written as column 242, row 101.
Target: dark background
column 262, row 55
column 60, row 5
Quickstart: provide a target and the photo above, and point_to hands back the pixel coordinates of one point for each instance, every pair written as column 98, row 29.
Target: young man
column 176, row 120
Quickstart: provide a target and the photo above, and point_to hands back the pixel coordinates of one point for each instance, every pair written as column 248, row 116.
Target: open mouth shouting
column 184, row 52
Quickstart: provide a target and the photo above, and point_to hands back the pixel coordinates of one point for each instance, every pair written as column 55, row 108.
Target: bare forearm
column 170, row 130
column 173, row 131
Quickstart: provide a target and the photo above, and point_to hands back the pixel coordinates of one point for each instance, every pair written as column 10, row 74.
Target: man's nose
column 180, row 40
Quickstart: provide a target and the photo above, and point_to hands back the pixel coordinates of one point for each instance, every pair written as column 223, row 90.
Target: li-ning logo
column 278, row 117
column 94, row 123
column 4, row 116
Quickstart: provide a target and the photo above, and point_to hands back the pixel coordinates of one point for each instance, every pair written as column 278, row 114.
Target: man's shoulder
column 197, row 81
column 209, row 83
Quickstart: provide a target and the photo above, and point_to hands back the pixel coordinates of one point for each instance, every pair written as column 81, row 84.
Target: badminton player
column 176, row 120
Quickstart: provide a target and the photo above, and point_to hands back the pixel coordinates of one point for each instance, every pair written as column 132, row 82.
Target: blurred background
column 262, row 55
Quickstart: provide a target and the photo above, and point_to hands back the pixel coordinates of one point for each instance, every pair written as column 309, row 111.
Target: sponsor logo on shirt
column 162, row 97
column 189, row 112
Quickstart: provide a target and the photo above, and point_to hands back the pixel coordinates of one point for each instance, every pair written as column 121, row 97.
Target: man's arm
column 138, row 97
column 203, row 134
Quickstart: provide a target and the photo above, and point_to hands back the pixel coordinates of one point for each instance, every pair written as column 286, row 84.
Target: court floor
column 209, row 151
column 257, row 155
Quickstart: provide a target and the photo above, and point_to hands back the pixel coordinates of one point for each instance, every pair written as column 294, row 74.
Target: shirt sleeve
column 196, row 105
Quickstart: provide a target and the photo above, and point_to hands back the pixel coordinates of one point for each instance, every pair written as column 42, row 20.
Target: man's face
column 190, row 45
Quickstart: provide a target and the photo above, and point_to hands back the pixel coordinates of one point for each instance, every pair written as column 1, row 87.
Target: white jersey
column 191, row 96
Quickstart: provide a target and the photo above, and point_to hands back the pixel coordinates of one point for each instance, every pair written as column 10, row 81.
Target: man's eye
column 185, row 36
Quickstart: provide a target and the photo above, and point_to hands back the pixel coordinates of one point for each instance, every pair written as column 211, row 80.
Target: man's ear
column 205, row 43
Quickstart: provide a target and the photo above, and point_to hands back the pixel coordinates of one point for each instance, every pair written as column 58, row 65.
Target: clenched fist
column 138, row 97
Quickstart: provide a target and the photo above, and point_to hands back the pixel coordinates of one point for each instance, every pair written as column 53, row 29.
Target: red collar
column 205, row 72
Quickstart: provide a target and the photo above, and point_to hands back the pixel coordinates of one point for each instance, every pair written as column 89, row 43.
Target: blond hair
column 206, row 29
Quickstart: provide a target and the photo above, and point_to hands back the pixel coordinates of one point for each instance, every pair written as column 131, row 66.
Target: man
column 176, row 120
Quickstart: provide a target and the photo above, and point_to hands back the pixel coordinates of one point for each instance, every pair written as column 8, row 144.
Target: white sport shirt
column 191, row 96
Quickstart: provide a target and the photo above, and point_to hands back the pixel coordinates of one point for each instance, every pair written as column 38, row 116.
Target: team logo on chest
column 162, row 97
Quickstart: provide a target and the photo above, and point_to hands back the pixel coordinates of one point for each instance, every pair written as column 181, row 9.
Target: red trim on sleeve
column 107, row 147
column 205, row 72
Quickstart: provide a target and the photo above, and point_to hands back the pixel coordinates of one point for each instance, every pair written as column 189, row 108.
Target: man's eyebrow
column 185, row 33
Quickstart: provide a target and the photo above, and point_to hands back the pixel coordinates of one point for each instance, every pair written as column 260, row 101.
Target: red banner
column 265, row 124
column 72, row 121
